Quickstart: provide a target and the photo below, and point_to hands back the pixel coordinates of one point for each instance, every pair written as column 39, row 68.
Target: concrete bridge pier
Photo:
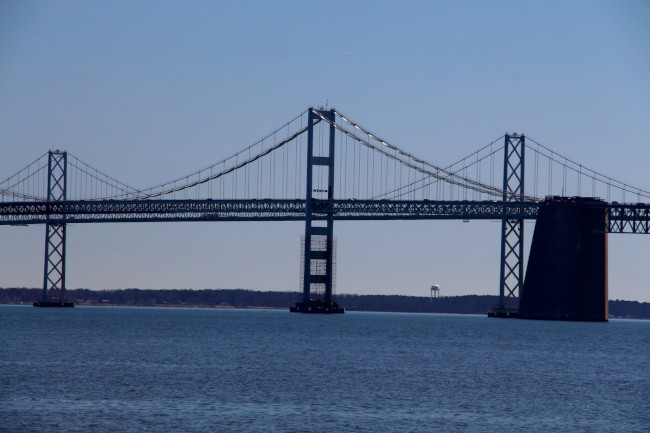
column 566, row 278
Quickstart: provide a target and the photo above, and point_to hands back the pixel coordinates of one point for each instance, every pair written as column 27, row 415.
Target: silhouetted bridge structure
column 321, row 167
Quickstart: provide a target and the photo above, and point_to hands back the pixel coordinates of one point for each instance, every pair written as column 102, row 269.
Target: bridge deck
column 254, row 210
column 623, row 218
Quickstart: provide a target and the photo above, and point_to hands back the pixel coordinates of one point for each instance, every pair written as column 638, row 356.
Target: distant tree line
column 629, row 309
column 240, row 298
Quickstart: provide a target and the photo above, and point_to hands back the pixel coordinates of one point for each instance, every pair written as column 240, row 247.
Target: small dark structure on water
column 54, row 303
column 317, row 307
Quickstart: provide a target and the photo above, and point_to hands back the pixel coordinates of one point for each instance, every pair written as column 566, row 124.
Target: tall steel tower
column 511, row 278
column 318, row 242
column 54, row 266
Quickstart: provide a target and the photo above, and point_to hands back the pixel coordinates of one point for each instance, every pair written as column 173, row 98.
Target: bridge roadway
column 622, row 218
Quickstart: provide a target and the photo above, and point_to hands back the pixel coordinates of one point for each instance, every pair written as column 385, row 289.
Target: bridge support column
column 54, row 266
column 318, row 243
column 511, row 276
column 566, row 277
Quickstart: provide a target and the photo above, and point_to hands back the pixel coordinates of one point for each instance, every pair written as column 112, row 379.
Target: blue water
column 99, row 369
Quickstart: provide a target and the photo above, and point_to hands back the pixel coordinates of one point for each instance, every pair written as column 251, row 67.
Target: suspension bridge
column 321, row 167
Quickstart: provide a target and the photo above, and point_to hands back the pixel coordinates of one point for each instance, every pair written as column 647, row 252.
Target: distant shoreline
column 268, row 300
column 221, row 307
column 207, row 307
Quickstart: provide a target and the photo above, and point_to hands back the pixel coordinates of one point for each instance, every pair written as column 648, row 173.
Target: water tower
column 435, row 291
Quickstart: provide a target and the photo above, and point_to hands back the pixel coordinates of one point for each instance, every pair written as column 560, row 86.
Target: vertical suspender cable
column 491, row 167
column 564, row 178
column 272, row 168
column 593, row 185
column 372, row 190
column 354, row 166
column 579, row 179
column 367, row 170
column 536, row 176
column 550, row 175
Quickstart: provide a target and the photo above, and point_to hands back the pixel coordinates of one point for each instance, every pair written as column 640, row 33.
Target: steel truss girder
column 110, row 211
column 622, row 218
column 631, row 218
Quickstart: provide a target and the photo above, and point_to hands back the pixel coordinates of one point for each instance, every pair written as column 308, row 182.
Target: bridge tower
column 318, row 242
column 54, row 267
column 511, row 278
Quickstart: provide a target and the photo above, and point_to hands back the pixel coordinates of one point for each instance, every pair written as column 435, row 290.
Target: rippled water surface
column 98, row 369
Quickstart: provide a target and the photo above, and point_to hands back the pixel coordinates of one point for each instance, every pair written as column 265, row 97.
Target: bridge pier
column 566, row 278
column 318, row 242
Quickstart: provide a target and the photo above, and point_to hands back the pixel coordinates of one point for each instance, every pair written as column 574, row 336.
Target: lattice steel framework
column 628, row 218
column 512, row 229
column 114, row 211
column 318, row 243
column 54, row 268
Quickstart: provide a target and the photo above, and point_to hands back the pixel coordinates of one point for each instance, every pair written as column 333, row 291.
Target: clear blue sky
column 151, row 90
